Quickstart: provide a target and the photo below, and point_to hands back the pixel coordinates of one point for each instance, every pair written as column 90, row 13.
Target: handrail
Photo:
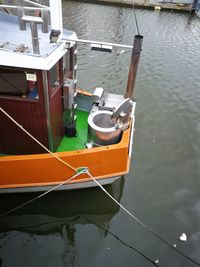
column 97, row 42
column 25, row 7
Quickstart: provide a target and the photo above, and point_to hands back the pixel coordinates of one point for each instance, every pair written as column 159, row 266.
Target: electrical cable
column 136, row 21
column 124, row 243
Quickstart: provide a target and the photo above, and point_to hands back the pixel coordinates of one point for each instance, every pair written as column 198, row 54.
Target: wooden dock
column 145, row 4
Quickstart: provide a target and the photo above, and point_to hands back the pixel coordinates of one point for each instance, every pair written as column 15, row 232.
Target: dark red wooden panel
column 29, row 114
column 56, row 116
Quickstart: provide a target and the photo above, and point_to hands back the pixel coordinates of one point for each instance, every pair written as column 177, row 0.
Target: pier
column 146, row 4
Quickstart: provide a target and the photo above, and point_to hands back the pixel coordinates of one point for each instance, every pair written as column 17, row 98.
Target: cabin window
column 66, row 65
column 12, row 82
column 54, row 77
column 15, row 83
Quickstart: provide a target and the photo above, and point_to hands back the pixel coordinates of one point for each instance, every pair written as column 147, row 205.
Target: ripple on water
column 163, row 184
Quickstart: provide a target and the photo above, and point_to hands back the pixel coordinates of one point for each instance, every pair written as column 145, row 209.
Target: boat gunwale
column 124, row 142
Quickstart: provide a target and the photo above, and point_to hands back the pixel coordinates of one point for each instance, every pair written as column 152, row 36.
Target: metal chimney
column 137, row 47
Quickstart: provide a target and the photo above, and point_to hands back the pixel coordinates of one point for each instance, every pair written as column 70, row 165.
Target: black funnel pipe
column 137, row 47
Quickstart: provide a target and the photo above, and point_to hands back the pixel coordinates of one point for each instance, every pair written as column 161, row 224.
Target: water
column 162, row 188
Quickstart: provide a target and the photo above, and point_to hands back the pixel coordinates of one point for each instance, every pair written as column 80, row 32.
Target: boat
column 54, row 134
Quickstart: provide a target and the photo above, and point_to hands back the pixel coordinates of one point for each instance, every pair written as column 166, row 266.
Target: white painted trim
column 77, row 185
column 47, row 109
column 132, row 130
column 34, row 62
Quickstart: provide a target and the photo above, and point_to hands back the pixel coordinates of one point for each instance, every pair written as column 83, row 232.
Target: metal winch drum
column 102, row 131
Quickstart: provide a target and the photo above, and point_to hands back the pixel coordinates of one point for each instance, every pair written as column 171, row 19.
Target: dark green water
column 163, row 186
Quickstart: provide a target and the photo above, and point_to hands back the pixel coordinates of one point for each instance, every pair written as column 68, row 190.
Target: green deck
column 73, row 143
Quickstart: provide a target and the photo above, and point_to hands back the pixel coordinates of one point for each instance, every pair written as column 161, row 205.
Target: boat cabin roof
column 12, row 37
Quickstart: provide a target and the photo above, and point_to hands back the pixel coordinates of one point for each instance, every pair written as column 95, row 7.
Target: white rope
column 126, row 67
column 78, row 172
column 128, row 212
column 43, row 194
column 37, row 141
column 144, row 225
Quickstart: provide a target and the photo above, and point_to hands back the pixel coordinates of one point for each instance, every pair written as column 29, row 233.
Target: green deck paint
column 74, row 143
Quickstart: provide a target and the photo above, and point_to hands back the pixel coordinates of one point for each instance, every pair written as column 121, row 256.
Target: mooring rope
column 85, row 170
column 37, row 141
column 126, row 67
column 43, row 194
column 141, row 223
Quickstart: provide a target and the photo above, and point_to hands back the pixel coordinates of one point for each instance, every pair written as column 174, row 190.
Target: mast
column 56, row 16
column 137, row 47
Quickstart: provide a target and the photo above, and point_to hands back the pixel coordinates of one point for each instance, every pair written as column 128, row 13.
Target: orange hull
column 42, row 170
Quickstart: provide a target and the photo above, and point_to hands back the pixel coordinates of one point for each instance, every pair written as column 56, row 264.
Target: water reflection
column 51, row 224
column 162, row 187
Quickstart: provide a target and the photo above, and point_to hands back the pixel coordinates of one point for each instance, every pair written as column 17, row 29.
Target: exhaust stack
column 137, row 47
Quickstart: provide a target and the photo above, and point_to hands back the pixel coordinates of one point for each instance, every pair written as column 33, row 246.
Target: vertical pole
column 35, row 40
column 45, row 18
column 194, row 5
column 137, row 47
column 47, row 109
column 20, row 13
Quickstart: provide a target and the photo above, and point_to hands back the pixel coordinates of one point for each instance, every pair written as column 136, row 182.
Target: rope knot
column 81, row 170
